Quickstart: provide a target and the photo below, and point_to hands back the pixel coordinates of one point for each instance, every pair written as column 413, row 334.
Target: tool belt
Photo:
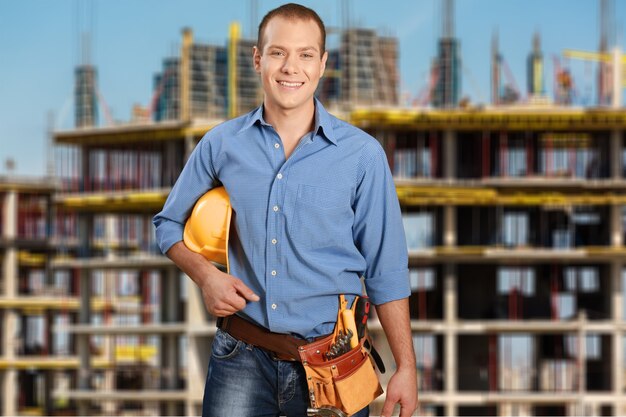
column 341, row 381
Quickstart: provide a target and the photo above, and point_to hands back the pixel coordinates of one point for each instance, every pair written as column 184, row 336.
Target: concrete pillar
column 10, row 382
column 449, row 226
column 591, row 409
column 449, row 148
column 617, row 228
column 9, row 228
column 10, row 255
column 111, row 237
column 110, row 278
column 450, row 339
column 197, row 351
column 582, row 359
column 9, row 279
column 84, row 317
column 170, row 291
column 9, row 394
column 191, row 409
column 189, row 145
column 615, row 146
column 617, row 294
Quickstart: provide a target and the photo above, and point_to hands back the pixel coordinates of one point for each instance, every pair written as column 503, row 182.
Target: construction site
column 514, row 215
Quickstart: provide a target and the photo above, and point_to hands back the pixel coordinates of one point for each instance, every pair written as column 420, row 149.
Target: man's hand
column 223, row 294
column 402, row 389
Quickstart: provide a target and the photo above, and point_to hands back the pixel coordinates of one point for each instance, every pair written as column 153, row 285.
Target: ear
column 323, row 63
column 256, row 57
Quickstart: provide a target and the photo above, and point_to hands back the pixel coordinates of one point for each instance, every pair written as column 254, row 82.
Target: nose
column 290, row 65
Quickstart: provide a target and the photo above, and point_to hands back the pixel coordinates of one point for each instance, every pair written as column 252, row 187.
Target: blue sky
column 39, row 43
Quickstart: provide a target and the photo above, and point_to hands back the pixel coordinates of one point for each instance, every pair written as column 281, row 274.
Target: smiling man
column 315, row 210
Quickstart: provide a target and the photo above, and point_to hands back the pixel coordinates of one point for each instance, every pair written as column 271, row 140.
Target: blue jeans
column 245, row 381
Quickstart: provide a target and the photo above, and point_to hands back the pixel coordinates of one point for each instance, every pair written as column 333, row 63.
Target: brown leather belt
column 282, row 346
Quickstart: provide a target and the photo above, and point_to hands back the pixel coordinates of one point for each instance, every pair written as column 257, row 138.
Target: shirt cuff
column 169, row 233
column 388, row 287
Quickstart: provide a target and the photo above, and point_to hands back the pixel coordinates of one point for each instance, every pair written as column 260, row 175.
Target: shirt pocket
column 322, row 217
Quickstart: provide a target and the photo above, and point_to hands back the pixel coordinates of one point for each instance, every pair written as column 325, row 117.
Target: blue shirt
column 307, row 227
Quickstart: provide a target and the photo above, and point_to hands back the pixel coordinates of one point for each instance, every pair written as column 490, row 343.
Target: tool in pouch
column 339, row 368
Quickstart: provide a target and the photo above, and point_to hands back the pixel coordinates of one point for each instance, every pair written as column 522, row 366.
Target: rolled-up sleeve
column 378, row 231
column 197, row 177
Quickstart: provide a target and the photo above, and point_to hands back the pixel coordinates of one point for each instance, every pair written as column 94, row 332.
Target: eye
column 307, row 55
column 277, row 53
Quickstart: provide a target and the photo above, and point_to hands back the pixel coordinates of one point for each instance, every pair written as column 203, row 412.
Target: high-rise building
column 367, row 67
column 534, row 69
column 448, row 70
column 85, row 96
column 447, row 64
column 208, row 82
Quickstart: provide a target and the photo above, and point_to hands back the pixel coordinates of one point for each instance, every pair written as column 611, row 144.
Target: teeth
column 286, row 84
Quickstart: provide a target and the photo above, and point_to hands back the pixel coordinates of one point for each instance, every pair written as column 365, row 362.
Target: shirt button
column 275, row 208
column 274, row 241
column 276, row 145
column 274, row 273
column 279, row 176
column 274, row 306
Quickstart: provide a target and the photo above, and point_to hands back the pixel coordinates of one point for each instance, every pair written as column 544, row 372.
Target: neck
column 290, row 122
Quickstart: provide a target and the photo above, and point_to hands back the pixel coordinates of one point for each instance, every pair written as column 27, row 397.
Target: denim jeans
column 245, row 381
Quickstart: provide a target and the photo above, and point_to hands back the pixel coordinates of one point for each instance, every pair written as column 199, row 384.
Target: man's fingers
column 245, row 291
column 387, row 408
column 224, row 310
column 234, row 302
column 405, row 412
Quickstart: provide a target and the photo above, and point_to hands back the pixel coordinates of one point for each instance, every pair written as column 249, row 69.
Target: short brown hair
column 292, row 11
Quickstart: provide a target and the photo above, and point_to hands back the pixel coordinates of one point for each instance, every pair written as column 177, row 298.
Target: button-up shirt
column 307, row 227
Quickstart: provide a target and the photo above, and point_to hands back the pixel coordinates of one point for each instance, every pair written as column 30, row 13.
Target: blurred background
column 503, row 124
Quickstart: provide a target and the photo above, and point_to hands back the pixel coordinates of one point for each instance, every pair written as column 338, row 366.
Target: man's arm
column 379, row 234
column 402, row 387
column 223, row 294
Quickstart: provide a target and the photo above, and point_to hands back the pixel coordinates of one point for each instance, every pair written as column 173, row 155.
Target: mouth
column 290, row 84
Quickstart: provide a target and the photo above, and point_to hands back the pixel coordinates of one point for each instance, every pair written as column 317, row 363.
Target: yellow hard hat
column 207, row 228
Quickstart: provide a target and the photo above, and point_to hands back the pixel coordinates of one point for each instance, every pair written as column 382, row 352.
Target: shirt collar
column 323, row 121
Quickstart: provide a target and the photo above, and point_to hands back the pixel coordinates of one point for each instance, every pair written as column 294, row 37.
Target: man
column 315, row 209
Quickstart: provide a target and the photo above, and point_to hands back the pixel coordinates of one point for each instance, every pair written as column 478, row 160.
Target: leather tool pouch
column 348, row 382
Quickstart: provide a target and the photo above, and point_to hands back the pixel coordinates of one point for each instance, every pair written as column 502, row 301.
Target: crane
column 563, row 83
column 511, row 92
column 615, row 58
column 425, row 95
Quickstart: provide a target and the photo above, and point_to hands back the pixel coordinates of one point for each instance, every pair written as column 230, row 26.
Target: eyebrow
column 304, row 48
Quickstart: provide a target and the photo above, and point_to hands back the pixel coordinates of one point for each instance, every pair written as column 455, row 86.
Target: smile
column 290, row 85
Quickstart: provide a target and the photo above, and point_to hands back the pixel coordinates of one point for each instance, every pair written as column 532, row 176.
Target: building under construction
column 514, row 218
column 363, row 70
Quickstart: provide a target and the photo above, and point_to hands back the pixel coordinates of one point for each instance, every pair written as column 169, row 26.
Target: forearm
column 191, row 263
column 395, row 319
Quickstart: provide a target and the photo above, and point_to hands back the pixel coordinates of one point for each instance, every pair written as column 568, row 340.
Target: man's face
column 291, row 63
